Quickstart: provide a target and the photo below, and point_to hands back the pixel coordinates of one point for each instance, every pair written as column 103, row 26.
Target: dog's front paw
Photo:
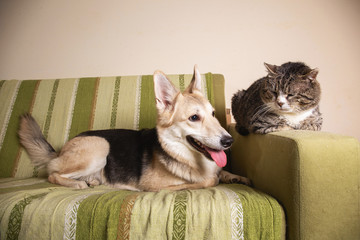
column 241, row 180
column 227, row 177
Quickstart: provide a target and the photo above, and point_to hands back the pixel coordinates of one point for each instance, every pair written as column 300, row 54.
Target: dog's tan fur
column 81, row 161
column 79, row 157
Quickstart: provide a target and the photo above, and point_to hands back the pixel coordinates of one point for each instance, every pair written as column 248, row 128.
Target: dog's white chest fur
column 295, row 119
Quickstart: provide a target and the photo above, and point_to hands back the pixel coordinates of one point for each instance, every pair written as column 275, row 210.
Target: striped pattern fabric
column 222, row 212
column 66, row 107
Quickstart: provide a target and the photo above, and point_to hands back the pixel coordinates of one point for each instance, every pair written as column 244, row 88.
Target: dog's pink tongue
column 218, row 156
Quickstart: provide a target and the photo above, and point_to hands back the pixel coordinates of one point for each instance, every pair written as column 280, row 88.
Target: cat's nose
column 280, row 103
column 226, row 141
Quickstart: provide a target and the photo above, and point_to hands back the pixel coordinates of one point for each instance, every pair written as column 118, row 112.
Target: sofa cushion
column 35, row 209
column 66, row 107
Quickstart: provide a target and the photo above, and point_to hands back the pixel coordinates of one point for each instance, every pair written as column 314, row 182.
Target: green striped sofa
column 32, row 208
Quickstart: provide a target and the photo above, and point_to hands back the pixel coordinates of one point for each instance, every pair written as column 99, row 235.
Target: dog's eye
column 213, row 113
column 194, row 118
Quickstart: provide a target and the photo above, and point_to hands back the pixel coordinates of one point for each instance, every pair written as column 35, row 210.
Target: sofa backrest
column 66, row 107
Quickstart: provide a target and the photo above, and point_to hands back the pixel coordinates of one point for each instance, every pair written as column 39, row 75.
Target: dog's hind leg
column 80, row 163
column 56, row 178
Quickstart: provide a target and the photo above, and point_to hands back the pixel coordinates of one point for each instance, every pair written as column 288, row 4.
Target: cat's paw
column 274, row 129
column 311, row 127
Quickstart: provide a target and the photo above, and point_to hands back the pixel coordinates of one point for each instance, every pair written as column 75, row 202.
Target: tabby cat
column 287, row 98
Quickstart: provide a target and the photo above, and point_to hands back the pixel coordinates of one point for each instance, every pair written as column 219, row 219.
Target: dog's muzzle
column 217, row 155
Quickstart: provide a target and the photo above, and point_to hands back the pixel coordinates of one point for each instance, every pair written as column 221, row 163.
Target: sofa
column 305, row 184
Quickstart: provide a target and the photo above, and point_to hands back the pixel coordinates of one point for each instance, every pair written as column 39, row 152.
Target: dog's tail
column 39, row 150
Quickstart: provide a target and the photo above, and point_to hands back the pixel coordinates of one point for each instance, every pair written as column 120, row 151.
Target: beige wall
column 54, row 39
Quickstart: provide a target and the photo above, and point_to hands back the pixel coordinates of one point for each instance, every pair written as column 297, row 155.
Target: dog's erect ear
column 195, row 83
column 165, row 91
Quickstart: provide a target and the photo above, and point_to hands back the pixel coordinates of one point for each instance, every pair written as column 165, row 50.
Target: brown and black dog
column 184, row 151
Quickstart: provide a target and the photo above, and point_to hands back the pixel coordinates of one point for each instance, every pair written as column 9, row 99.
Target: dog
column 184, row 151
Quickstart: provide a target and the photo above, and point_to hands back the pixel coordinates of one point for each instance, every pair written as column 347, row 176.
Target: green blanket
column 35, row 209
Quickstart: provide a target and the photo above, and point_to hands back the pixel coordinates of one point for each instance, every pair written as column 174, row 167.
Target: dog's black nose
column 226, row 141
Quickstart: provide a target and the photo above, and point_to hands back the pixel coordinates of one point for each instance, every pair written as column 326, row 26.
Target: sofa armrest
column 314, row 175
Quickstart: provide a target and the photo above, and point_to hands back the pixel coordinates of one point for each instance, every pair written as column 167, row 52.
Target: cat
column 287, row 98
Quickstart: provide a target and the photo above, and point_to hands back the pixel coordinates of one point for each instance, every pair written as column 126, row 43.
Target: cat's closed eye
column 307, row 97
column 304, row 100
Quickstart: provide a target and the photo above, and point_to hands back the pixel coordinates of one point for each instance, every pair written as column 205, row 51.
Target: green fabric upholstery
column 314, row 175
column 32, row 208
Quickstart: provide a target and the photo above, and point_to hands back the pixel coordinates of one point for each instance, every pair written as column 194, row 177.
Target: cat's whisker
column 262, row 110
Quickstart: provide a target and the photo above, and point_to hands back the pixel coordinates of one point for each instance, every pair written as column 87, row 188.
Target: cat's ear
column 272, row 69
column 196, row 82
column 313, row 74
